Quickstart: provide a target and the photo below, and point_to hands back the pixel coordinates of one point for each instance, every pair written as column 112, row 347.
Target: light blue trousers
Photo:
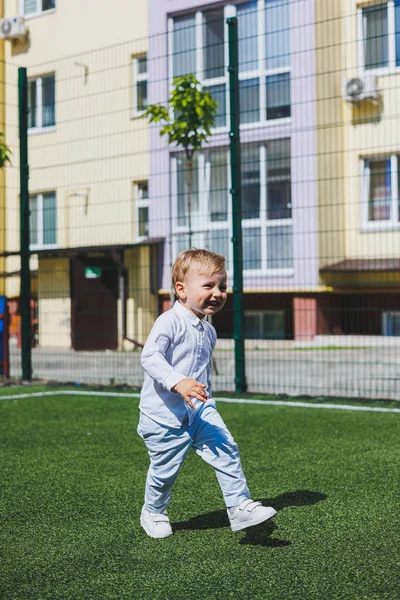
column 167, row 448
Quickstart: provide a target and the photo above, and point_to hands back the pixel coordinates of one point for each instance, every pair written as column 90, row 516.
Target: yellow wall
column 54, row 303
column 330, row 136
column 142, row 307
column 346, row 134
column 98, row 156
column 383, row 280
column 370, row 129
column 97, row 148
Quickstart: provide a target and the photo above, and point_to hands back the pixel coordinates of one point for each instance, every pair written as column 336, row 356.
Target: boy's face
column 203, row 294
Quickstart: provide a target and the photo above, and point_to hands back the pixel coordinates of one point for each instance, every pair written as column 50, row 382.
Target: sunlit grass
column 72, row 488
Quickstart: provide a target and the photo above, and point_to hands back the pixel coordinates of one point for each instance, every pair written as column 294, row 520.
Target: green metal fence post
column 236, row 182
column 25, row 293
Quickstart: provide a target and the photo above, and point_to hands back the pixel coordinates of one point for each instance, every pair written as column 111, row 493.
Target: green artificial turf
column 73, row 472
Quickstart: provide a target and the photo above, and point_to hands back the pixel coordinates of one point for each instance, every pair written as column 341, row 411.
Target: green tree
column 5, row 152
column 193, row 115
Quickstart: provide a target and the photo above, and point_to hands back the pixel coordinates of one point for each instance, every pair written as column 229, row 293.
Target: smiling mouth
column 212, row 304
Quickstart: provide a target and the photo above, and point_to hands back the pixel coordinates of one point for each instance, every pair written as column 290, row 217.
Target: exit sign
column 92, row 272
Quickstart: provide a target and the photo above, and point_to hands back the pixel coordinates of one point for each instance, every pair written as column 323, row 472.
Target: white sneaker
column 155, row 525
column 249, row 513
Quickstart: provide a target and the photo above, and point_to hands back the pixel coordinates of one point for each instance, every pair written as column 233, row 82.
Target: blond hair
column 198, row 261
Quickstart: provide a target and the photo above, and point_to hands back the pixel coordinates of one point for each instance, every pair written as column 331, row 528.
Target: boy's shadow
column 259, row 535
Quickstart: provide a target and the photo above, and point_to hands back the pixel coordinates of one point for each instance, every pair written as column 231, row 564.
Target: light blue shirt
column 179, row 345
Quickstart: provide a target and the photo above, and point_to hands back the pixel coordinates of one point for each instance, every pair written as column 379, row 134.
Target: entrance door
column 94, row 294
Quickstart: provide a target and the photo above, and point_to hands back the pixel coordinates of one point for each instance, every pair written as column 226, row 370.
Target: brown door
column 94, row 294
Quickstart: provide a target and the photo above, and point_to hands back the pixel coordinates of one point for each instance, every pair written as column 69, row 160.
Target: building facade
column 358, row 150
column 2, row 175
column 88, row 157
column 108, row 195
column 278, row 147
column 319, row 167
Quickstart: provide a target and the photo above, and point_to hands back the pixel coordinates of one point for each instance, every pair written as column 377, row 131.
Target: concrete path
column 372, row 372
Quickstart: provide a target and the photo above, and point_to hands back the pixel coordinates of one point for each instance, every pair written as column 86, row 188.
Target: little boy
column 177, row 410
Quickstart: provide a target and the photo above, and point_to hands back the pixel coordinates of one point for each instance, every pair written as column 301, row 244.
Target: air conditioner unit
column 12, row 28
column 356, row 89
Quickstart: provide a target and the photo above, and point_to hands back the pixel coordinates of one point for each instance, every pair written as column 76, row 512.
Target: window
column 252, row 248
column 182, row 171
column 43, row 219
column 381, row 189
column 209, row 201
column 41, row 102
column 184, row 46
column 35, row 7
column 264, row 325
column 391, row 323
column 381, row 35
column 264, row 68
column 251, row 182
column 213, row 51
column 277, row 38
column 140, row 76
column 279, row 247
column 279, row 205
column 213, row 75
column 141, row 192
column 249, row 92
column 217, row 185
column 199, row 46
column 266, row 204
column 278, row 96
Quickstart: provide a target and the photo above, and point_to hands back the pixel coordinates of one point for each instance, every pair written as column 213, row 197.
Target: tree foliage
column 5, row 152
column 193, row 114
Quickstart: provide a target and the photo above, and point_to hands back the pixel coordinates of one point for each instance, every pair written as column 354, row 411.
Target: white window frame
column 386, row 315
column 390, row 224
column 140, row 202
column 40, row 230
column 200, row 230
column 136, row 78
column 38, row 11
column 264, row 222
column 361, row 24
column 261, row 72
column 39, row 128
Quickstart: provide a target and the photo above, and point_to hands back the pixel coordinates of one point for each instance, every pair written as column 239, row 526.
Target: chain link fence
column 108, row 197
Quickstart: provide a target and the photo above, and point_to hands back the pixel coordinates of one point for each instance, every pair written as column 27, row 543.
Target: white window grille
column 266, row 205
column 199, row 45
column 379, row 36
column 140, row 78
column 43, row 220
column 141, row 199
column 31, row 8
column 41, row 103
column 381, row 191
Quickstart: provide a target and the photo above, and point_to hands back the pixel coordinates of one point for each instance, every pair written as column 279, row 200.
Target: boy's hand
column 190, row 388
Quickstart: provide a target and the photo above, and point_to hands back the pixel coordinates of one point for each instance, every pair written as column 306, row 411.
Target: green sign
column 92, row 272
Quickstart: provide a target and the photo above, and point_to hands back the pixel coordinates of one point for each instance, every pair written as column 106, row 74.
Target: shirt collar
column 188, row 314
